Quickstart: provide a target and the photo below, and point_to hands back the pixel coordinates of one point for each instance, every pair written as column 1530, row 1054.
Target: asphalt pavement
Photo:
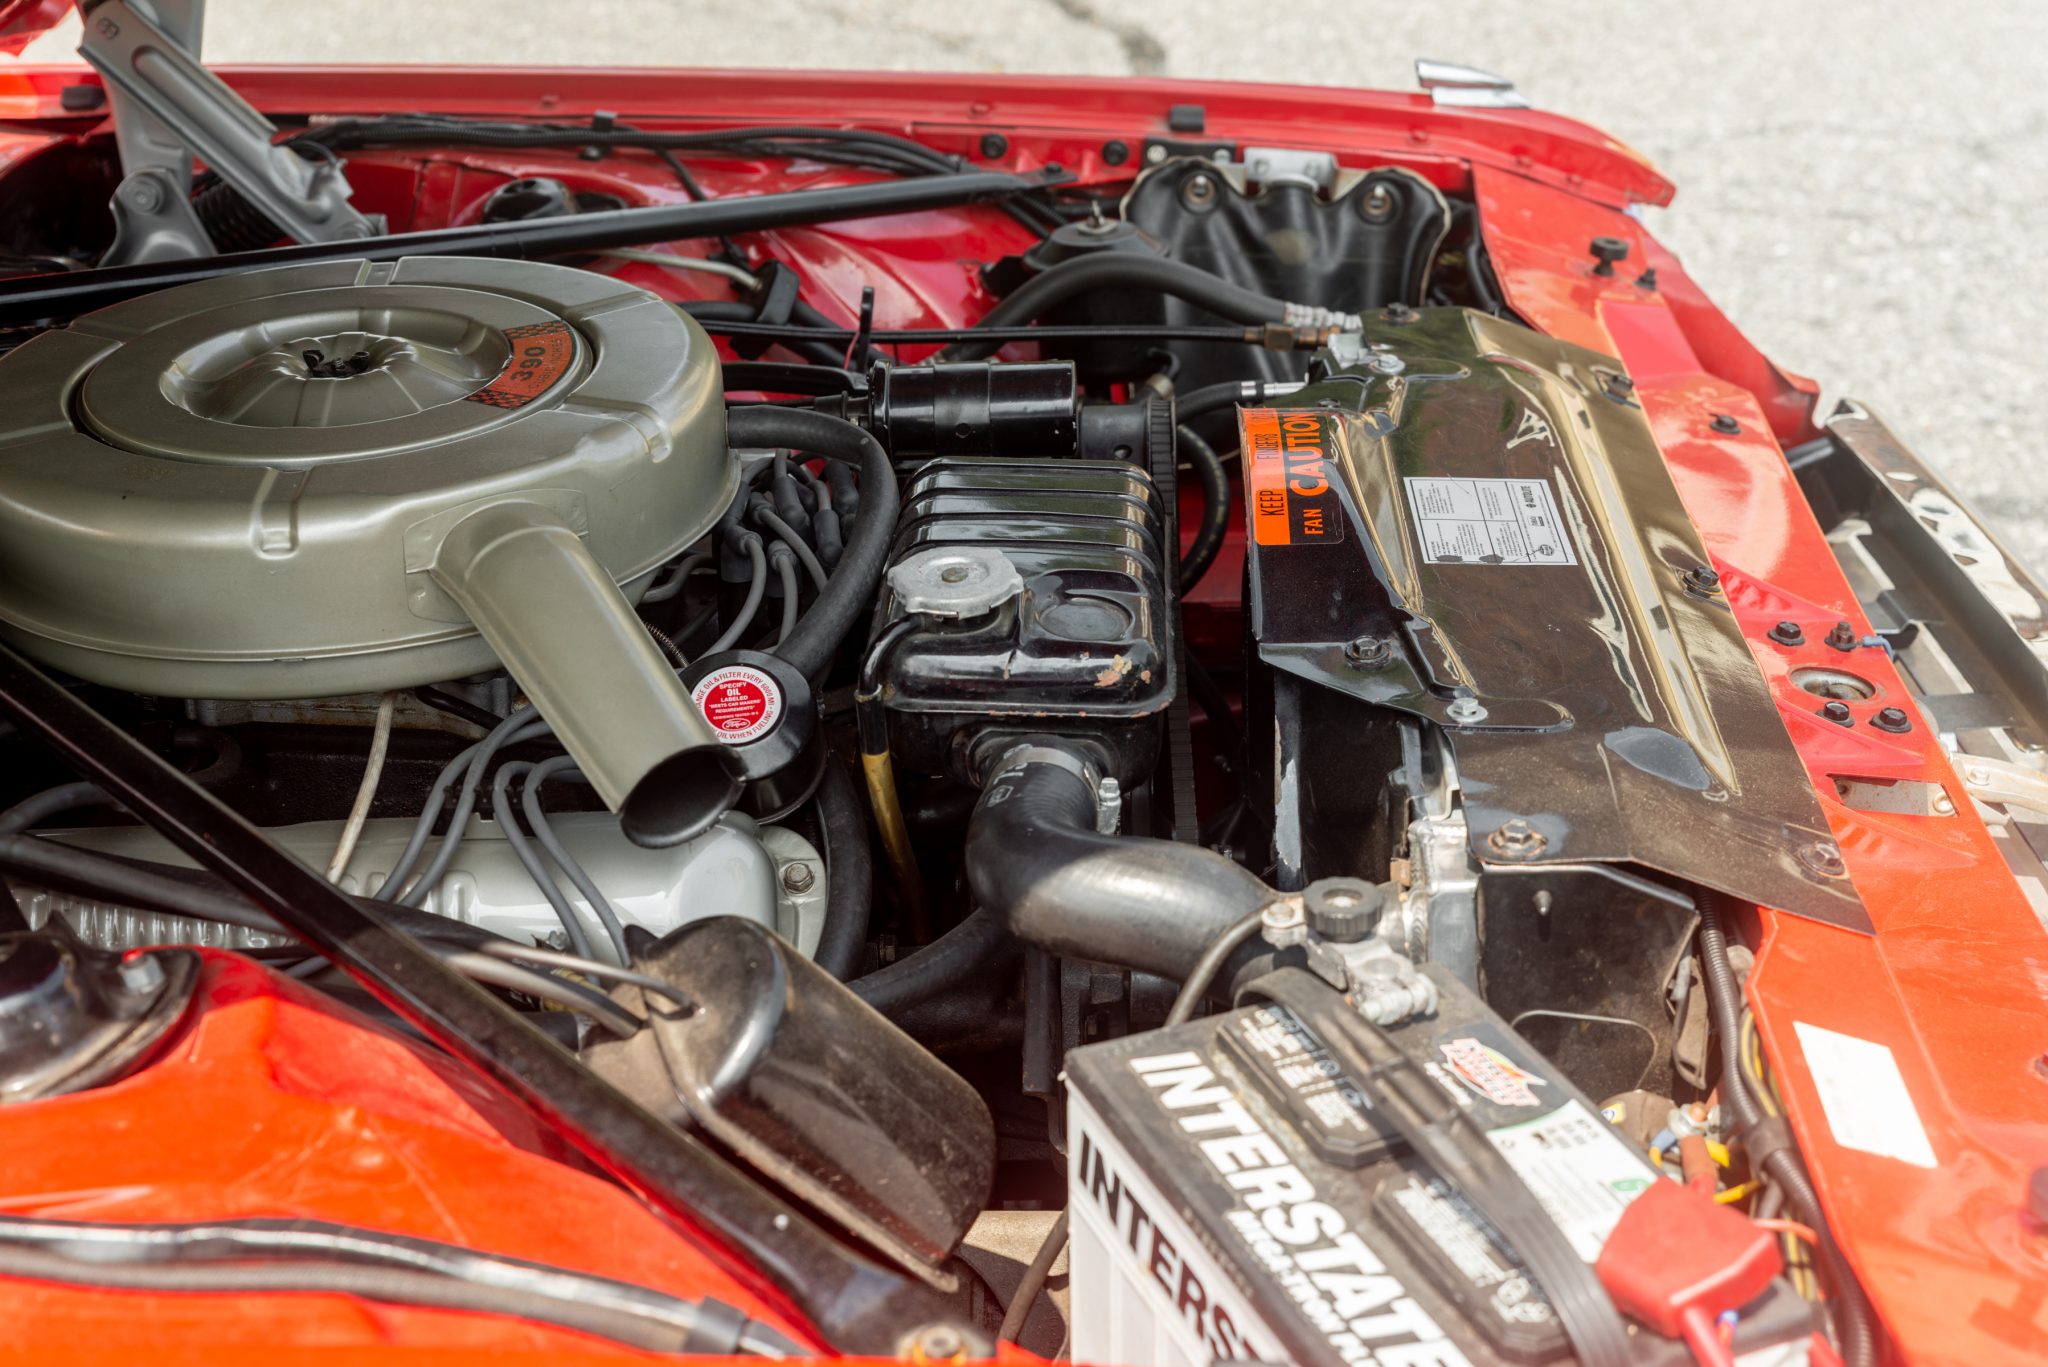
column 1862, row 183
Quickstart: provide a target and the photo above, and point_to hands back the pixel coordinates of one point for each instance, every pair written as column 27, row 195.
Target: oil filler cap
column 759, row 706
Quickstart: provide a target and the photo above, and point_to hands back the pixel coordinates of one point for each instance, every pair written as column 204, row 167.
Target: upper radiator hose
column 1035, row 858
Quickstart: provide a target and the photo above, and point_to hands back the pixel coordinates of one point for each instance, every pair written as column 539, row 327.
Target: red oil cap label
column 742, row 704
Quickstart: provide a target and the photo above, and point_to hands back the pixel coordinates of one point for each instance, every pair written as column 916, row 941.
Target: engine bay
column 880, row 657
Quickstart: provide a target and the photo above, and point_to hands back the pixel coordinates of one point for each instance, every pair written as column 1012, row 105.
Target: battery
column 1234, row 1198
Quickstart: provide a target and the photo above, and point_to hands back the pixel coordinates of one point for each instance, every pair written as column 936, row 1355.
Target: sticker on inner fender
column 1288, row 477
column 541, row 353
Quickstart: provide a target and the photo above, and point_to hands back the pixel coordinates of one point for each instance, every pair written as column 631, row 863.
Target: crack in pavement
column 1145, row 54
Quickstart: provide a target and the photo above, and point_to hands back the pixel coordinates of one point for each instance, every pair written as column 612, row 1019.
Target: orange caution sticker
column 1287, row 477
column 541, row 353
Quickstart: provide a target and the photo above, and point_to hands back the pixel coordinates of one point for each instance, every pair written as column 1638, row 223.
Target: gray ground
column 1860, row 181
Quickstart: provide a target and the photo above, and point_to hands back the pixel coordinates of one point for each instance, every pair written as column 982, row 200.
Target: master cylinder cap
column 350, row 477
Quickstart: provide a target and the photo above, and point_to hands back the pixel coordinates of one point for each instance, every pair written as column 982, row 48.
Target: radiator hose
column 1036, row 860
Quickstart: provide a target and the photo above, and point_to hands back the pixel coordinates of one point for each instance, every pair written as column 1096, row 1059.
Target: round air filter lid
column 238, row 488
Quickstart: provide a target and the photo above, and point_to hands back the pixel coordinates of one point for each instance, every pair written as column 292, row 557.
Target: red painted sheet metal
column 952, row 111
column 1952, row 982
column 276, row 1102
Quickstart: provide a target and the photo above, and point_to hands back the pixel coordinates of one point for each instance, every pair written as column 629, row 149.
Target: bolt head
column 141, row 974
column 1703, row 580
column 1401, row 313
column 1788, row 634
column 1823, row 858
column 1724, row 423
column 145, row 196
column 798, row 878
column 1116, row 152
column 1837, row 712
column 1842, row 636
column 1198, row 192
column 1376, row 205
column 1893, row 719
column 994, row 145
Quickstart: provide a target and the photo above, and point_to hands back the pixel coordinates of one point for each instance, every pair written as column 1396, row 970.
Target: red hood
column 24, row 21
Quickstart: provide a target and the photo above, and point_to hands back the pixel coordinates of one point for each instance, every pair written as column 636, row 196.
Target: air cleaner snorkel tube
column 1036, row 859
column 559, row 623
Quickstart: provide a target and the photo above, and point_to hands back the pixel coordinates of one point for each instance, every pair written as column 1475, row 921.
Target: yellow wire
column 1737, row 1193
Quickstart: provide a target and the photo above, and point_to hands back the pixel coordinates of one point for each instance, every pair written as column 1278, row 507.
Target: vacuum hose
column 1035, row 859
column 1124, row 270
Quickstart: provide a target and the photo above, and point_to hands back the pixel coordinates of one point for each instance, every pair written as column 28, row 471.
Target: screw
column 1724, row 423
column 1703, row 580
column 1838, row 713
column 1198, row 192
column 994, row 145
column 1842, row 636
column 1376, row 205
column 1367, row 652
column 1116, row 151
column 1517, row 839
column 1620, row 386
column 1893, row 719
column 1823, row 858
column 798, row 878
column 1788, row 634
column 1466, row 711
column 1607, row 251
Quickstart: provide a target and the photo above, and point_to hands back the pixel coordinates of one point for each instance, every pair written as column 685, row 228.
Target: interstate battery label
column 1289, row 477
column 540, row 354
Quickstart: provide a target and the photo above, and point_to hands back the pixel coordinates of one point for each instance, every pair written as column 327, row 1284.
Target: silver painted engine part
column 350, row 477
column 167, row 107
column 737, row 868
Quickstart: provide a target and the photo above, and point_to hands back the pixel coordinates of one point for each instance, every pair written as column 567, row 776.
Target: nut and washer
column 1367, row 652
column 1516, row 838
column 1465, row 711
column 1284, row 923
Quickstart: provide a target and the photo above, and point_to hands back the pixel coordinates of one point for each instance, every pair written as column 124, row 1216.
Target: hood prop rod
column 46, row 298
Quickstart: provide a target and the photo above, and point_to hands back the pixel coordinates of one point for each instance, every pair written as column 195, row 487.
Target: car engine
column 1216, row 671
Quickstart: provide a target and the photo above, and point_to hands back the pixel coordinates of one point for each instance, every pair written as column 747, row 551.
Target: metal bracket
column 1466, row 87
column 167, row 109
column 154, row 219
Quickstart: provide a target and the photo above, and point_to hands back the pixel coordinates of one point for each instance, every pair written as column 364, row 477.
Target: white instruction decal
column 1863, row 1096
column 1580, row 1171
column 1488, row 522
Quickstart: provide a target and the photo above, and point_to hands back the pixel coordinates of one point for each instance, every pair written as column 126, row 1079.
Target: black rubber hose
column 1857, row 1323
column 1035, row 859
column 1215, row 507
column 858, row 574
column 849, row 873
column 961, row 953
column 1055, row 285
